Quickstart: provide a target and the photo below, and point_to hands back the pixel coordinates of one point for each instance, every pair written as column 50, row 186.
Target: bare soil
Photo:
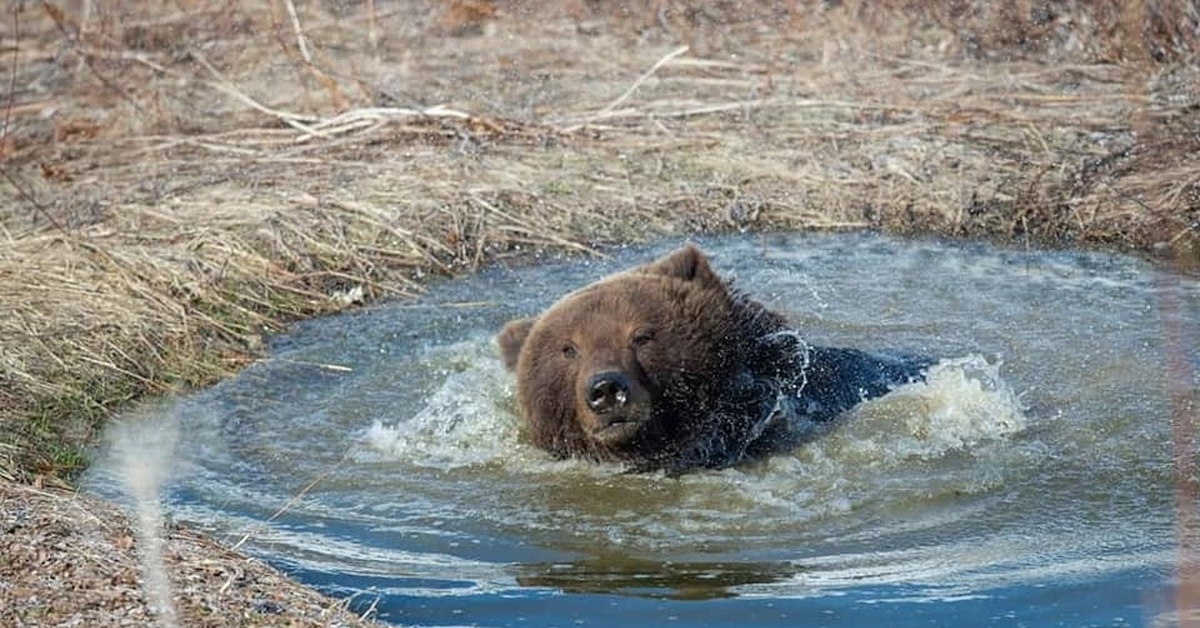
column 177, row 178
column 70, row 559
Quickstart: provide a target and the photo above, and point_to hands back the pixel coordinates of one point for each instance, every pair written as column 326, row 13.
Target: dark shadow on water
column 612, row 574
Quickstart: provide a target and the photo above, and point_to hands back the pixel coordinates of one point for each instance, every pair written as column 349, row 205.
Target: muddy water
column 1028, row 482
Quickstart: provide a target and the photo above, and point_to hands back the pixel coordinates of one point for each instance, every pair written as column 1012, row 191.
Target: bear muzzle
column 607, row 391
column 616, row 416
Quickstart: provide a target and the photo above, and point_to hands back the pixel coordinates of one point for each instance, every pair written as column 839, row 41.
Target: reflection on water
column 622, row 574
column 1028, row 480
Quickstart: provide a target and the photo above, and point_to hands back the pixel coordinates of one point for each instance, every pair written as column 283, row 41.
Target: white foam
column 962, row 403
column 946, row 437
column 463, row 423
column 949, row 435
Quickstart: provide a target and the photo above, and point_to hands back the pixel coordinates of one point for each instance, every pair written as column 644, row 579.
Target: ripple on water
column 380, row 449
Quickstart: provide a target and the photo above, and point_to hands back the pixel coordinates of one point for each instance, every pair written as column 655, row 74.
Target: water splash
column 464, row 422
column 951, row 420
column 963, row 403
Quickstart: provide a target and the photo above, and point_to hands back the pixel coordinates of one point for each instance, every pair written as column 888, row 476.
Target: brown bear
column 668, row 366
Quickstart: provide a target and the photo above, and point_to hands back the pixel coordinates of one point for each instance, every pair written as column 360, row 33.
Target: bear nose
column 607, row 390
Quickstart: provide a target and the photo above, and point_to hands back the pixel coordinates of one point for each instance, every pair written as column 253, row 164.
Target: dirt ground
column 177, row 178
column 68, row 561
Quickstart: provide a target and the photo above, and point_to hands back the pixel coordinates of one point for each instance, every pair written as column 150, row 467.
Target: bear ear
column 511, row 338
column 688, row 263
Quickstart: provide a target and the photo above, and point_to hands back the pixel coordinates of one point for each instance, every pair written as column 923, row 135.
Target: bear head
column 636, row 366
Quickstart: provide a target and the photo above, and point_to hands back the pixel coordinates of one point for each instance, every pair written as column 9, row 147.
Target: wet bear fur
column 668, row 366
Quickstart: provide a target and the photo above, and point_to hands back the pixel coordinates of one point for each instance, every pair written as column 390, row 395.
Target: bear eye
column 569, row 351
column 642, row 337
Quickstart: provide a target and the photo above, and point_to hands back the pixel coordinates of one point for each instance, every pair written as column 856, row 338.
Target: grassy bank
column 179, row 178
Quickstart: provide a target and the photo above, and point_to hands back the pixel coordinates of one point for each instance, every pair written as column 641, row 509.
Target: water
column 1027, row 483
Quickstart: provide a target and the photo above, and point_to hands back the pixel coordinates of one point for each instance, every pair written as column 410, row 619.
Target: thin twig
column 294, row 120
column 292, row 501
column 300, row 41
column 641, row 79
column 12, row 81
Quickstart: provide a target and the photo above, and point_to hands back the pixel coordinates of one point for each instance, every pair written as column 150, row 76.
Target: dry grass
column 183, row 176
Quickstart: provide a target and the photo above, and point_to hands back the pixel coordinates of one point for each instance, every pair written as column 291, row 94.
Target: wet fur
column 721, row 379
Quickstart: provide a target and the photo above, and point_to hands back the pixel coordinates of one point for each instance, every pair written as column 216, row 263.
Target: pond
column 1027, row 482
